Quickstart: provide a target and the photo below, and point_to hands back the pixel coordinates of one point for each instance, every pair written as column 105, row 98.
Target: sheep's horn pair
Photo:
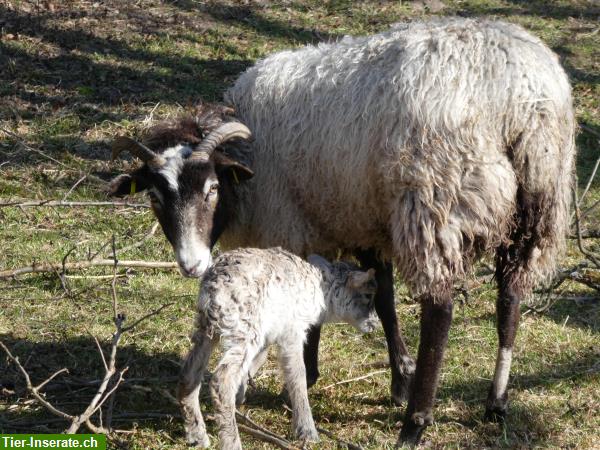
column 138, row 149
column 216, row 137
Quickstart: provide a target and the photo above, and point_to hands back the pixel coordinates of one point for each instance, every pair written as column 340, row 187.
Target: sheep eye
column 213, row 188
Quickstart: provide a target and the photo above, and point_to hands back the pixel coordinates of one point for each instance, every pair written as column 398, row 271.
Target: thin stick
column 589, row 183
column 141, row 241
column 593, row 258
column 32, row 149
column 330, row 435
column 54, row 375
column 62, row 203
column 94, row 277
column 74, row 187
column 249, row 422
column 278, row 442
column 150, row 314
column 31, row 388
column 585, row 212
column 377, row 372
column 589, row 130
column 52, row 267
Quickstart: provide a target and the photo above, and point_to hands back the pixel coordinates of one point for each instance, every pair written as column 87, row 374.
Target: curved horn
column 222, row 134
column 123, row 143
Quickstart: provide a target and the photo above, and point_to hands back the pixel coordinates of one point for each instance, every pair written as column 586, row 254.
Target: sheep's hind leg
column 290, row 355
column 436, row 316
column 401, row 364
column 510, row 292
column 223, row 387
column 188, row 390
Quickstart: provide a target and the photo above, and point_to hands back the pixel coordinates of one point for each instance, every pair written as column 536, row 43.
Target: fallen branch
column 65, row 204
column 104, row 392
column 53, row 267
column 377, row 372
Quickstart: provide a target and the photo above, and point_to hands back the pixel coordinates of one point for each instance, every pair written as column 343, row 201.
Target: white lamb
column 251, row 298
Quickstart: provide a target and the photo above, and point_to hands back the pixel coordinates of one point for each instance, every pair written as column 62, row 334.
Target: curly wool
column 417, row 142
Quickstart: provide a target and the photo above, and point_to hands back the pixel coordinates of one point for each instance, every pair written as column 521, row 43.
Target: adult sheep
column 425, row 146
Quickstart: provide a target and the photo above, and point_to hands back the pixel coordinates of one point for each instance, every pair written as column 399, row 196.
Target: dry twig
column 377, row 372
column 65, row 204
column 590, row 255
column 52, row 267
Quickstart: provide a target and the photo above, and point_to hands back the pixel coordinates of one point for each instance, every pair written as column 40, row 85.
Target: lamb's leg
column 510, row 292
column 401, row 364
column 223, row 387
column 436, row 316
column 258, row 362
column 290, row 355
column 311, row 355
column 188, row 389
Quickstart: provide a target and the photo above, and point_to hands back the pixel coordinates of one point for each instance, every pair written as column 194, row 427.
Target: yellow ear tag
column 235, row 177
column 132, row 189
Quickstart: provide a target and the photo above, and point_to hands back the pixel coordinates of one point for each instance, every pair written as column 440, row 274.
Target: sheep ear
column 358, row 278
column 239, row 171
column 125, row 185
column 320, row 262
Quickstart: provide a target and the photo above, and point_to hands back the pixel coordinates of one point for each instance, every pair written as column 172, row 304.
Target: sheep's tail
column 543, row 158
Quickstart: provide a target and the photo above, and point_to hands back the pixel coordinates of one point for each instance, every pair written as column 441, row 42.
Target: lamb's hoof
column 197, row 439
column 412, row 430
column 495, row 408
column 307, row 434
column 400, row 389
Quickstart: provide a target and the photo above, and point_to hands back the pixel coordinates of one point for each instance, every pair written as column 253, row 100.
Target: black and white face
column 192, row 199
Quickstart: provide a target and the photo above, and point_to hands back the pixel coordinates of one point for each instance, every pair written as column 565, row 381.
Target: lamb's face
column 192, row 197
column 354, row 302
column 351, row 293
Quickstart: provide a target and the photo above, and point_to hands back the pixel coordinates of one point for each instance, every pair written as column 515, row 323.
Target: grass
column 74, row 74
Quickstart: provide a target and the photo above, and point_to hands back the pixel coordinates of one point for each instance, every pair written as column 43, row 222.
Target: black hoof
column 495, row 415
column 495, row 408
column 412, row 430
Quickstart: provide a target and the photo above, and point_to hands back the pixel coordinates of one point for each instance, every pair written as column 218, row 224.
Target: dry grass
column 74, row 73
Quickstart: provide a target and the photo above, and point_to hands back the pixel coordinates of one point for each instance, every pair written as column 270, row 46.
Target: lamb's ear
column 239, row 171
column 125, row 184
column 320, row 262
column 358, row 278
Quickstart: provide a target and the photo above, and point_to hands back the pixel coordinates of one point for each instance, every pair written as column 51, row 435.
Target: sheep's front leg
column 223, row 387
column 401, row 364
column 292, row 362
column 436, row 316
column 188, row 390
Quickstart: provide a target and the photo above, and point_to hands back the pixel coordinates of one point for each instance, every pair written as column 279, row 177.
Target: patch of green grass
column 73, row 78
